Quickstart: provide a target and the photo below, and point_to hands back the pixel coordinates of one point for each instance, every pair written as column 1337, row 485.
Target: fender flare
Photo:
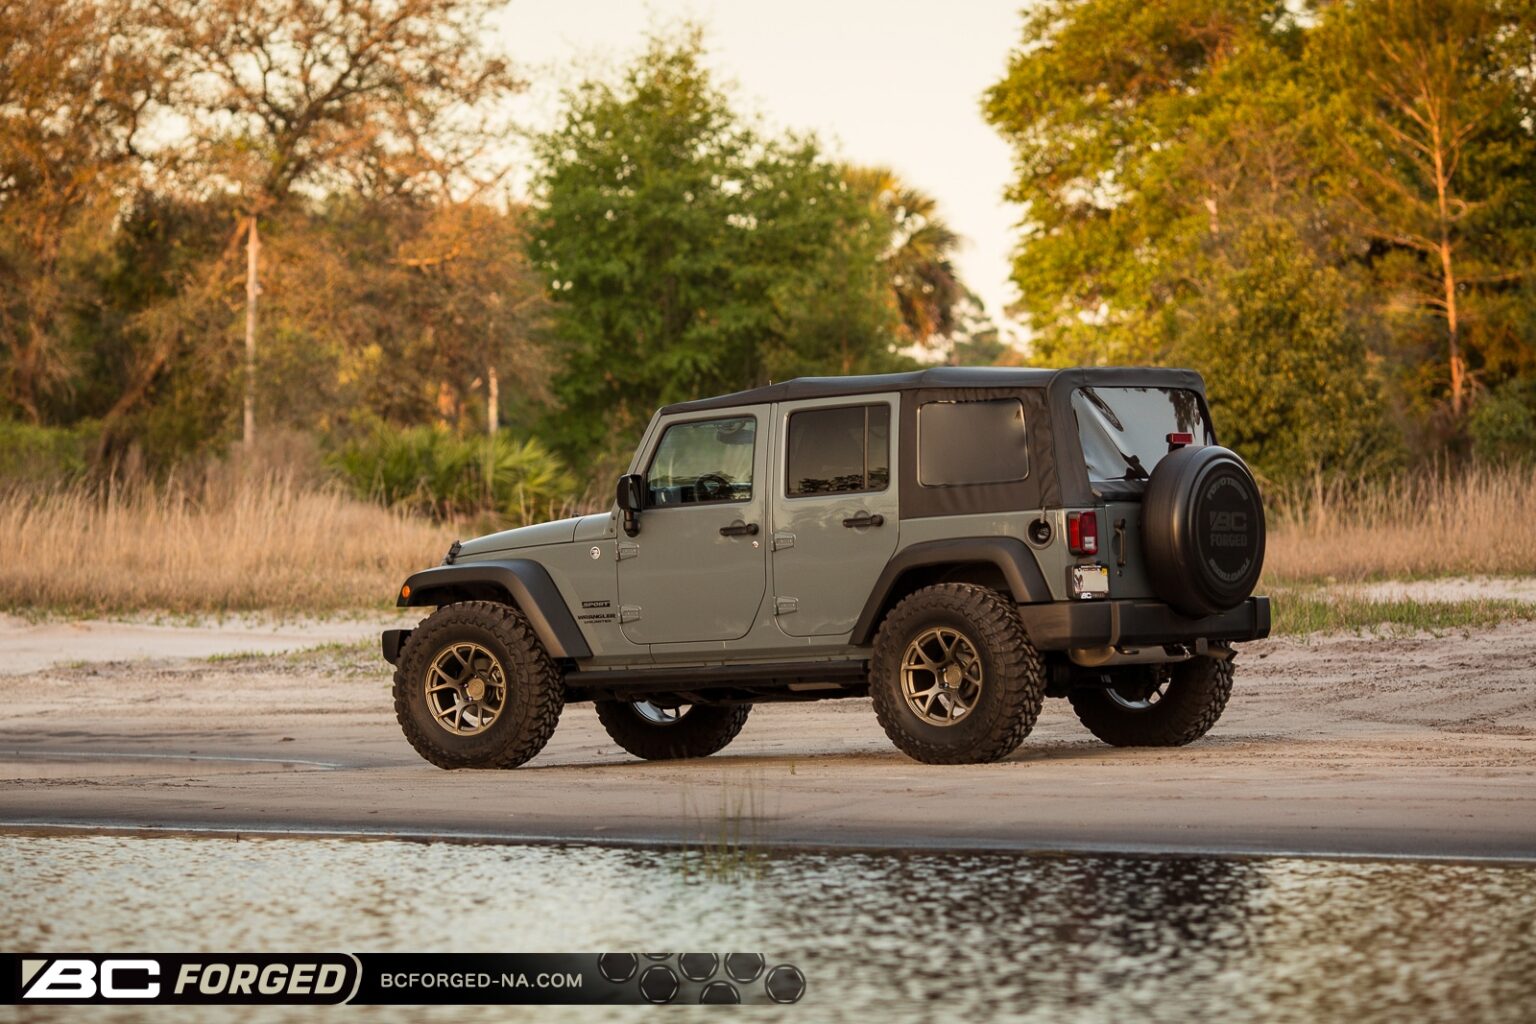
column 519, row 581
column 1010, row 555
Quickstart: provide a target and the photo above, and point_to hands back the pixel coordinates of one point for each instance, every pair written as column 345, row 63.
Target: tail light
column 1083, row 533
column 1182, row 440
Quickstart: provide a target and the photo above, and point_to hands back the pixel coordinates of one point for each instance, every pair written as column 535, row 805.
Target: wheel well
column 983, row 574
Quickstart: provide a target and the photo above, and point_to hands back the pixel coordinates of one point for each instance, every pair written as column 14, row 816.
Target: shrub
column 46, row 455
column 1503, row 425
column 433, row 471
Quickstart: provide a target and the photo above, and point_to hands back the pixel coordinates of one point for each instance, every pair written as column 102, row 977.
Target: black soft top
column 948, row 377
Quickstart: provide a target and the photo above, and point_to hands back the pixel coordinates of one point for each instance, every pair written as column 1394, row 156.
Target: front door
column 697, row 570
column 835, row 513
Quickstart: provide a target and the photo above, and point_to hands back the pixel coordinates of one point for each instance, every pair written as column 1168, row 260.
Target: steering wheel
column 712, row 487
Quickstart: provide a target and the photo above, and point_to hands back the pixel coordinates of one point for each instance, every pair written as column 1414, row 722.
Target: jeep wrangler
column 956, row 543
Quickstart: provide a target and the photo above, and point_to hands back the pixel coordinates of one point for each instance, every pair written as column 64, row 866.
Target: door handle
column 739, row 529
column 864, row 519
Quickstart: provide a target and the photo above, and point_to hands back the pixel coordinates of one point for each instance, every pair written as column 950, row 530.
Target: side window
column 840, row 450
column 703, row 461
column 971, row 443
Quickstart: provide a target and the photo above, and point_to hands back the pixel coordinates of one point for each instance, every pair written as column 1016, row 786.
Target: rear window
column 971, row 443
column 1124, row 431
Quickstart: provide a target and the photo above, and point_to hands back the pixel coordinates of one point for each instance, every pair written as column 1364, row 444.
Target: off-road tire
column 704, row 729
column 535, row 696
column 1013, row 687
column 1196, row 695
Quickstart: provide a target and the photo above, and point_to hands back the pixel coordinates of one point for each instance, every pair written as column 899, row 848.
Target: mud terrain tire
column 1196, row 693
column 534, row 696
column 702, row 730
column 1012, row 676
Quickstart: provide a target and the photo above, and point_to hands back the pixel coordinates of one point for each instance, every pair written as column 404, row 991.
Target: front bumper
column 1059, row 626
column 392, row 641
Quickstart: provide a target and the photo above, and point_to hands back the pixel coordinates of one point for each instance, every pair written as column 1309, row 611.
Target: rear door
column 697, row 570
column 835, row 513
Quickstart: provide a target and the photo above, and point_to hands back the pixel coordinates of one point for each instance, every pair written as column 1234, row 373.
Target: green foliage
column 688, row 254
column 45, row 455
column 1430, row 167
column 431, row 470
column 1107, row 108
column 1502, row 425
column 1236, row 187
column 1285, row 363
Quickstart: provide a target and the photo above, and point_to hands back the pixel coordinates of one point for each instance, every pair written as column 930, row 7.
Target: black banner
column 397, row 978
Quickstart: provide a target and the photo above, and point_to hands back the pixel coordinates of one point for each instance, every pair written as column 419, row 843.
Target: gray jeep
column 956, row 543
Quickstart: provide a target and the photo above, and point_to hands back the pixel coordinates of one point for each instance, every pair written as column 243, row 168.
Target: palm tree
column 924, row 284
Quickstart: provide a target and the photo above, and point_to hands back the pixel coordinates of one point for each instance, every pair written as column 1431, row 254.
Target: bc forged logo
column 238, row 978
column 376, row 979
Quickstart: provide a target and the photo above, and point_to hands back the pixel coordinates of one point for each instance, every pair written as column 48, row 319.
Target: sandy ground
column 30, row 646
column 1455, row 588
column 1335, row 744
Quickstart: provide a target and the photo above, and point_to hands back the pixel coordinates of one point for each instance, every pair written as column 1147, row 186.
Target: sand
column 1331, row 745
column 29, row 646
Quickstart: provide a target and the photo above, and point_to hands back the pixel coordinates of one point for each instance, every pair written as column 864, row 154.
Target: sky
column 896, row 83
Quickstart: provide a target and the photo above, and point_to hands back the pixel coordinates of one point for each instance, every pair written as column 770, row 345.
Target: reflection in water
column 915, row 936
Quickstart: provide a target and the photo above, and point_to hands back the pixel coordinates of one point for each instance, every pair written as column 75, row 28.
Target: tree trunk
column 1453, row 333
column 252, row 289
column 492, row 401
column 1448, row 271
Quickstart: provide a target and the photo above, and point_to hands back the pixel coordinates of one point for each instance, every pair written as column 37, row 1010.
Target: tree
column 1285, row 353
column 1180, row 162
column 391, row 96
column 1105, row 104
column 686, row 252
column 1434, row 160
column 75, row 82
column 919, row 257
column 1164, row 157
column 479, row 296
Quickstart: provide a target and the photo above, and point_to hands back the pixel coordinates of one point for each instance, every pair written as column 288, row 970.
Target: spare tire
column 1202, row 530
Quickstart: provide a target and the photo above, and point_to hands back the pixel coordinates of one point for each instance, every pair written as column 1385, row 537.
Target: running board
column 708, row 677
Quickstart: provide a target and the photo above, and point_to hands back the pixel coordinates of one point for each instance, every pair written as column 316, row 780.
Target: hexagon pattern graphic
column 704, row 977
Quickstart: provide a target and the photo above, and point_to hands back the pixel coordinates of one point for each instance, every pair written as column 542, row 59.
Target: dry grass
column 270, row 540
column 229, row 543
column 1478, row 522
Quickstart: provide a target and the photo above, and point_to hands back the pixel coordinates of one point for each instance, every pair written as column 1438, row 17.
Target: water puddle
column 888, row 936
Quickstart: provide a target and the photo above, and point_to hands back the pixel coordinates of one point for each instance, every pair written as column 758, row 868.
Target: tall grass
column 226, row 542
column 268, row 536
column 729, row 844
column 1480, row 520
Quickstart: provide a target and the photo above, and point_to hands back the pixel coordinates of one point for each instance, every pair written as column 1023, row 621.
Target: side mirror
column 631, row 501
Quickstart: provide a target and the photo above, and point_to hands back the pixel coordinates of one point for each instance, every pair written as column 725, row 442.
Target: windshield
column 1124, row 431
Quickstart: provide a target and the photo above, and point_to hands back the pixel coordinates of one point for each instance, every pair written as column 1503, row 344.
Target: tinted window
column 1124, row 431
column 707, row 460
column 839, row 450
column 971, row 442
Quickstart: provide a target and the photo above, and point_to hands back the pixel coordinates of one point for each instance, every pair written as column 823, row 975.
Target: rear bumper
column 1059, row 626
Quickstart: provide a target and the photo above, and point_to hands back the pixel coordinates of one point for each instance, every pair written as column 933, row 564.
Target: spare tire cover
column 1202, row 530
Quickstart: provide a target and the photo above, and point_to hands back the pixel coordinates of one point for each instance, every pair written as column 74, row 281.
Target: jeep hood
column 561, row 531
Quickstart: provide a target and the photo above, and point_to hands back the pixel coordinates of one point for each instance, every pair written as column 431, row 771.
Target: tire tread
column 706, row 729
column 1181, row 718
column 1018, row 668
column 540, row 696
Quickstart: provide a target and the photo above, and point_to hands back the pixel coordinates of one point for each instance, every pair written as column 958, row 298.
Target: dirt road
column 1330, row 745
